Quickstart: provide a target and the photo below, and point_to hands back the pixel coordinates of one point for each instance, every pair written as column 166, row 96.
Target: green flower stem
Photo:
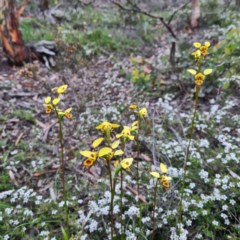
column 154, row 207
column 138, row 185
column 121, row 192
column 62, row 166
column 138, row 154
column 180, row 211
column 112, row 187
column 121, row 203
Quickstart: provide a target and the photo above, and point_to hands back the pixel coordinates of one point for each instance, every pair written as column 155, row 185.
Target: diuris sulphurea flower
column 199, row 77
column 91, row 158
column 61, row 90
column 126, row 133
column 66, row 113
column 203, row 48
column 49, row 103
column 143, row 113
column 165, row 180
column 107, row 127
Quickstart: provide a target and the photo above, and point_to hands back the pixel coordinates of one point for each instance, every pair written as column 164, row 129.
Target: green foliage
column 140, row 74
column 24, row 115
column 5, row 184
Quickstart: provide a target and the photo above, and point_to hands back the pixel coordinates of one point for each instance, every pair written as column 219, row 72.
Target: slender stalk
column 154, row 207
column 121, row 193
column 62, row 167
column 138, row 185
column 180, row 210
column 112, row 196
column 138, row 154
column 121, row 202
column 112, row 186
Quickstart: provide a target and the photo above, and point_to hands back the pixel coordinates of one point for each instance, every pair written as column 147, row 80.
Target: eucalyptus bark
column 13, row 45
column 196, row 14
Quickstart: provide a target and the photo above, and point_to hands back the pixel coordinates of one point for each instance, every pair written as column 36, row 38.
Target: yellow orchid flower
column 48, row 105
column 199, row 77
column 197, row 54
column 107, row 126
column 91, row 157
column 66, row 113
column 107, row 153
column 48, row 108
column 165, row 180
column 126, row 163
column 126, row 133
column 203, row 48
column 143, row 113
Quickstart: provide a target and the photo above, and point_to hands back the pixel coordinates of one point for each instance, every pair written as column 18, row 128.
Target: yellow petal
column 133, row 106
column 119, row 135
column 100, row 125
column 143, row 112
column 56, row 101
column 163, row 168
column 115, row 125
column 97, row 142
column 104, row 151
column 88, row 162
column 118, row 152
column 62, row 89
column 131, row 137
column 197, row 45
column 115, row 144
column 167, row 178
column 192, row 71
column 207, row 71
column 68, row 110
column 47, row 100
column 126, row 163
column 155, row 174
column 87, row 154
column 135, row 124
column 207, row 44
column 60, row 112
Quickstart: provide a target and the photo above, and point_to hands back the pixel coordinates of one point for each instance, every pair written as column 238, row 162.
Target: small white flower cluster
column 204, row 175
column 132, row 211
column 182, row 233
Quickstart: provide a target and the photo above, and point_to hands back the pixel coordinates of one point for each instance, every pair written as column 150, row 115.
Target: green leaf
column 65, row 234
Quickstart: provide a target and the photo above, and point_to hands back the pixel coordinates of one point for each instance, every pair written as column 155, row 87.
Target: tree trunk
column 13, row 44
column 195, row 16
column 238, row 4
column 44, row 5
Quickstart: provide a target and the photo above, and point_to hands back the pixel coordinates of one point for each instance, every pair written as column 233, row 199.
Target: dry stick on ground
column 135, row 8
